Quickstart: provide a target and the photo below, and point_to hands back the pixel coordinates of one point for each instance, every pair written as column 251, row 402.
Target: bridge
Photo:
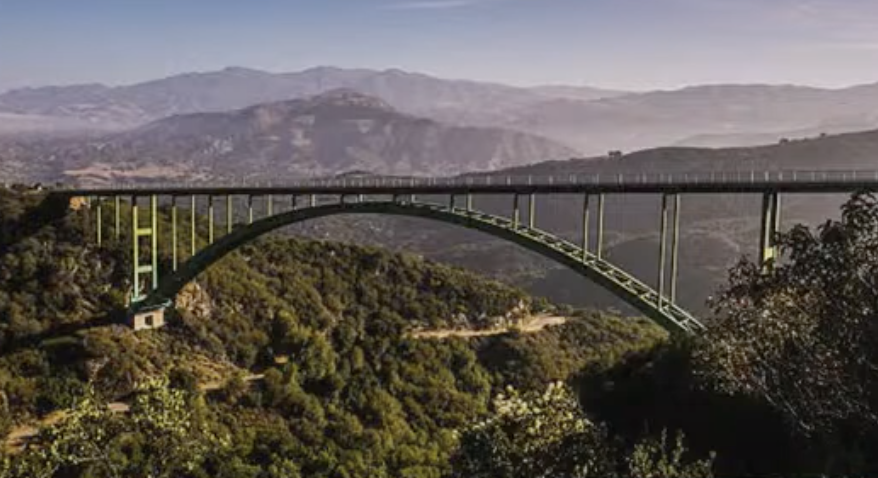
column 310, row 199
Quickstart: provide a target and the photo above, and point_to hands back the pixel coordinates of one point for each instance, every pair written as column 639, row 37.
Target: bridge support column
column 210, row 219
column 770, row 228
column 469, row 202
column 250, row 209
column 154, row 236
column 294, row 202
column 137, row 233
column 452, row 202
column 269, row 206
column 230, row 214
column 532, row 211
column 99, row 220
column 600, row 238
column 117, row 230
column 313, row 200
column 516, row 212
column 135, row 251
column 174, row 258
column 675, row 247
column 586, row 219
column 663, row 250
column 192, row 244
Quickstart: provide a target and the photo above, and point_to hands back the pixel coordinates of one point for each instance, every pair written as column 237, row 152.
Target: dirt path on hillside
column 531, row 325
column 19, row 436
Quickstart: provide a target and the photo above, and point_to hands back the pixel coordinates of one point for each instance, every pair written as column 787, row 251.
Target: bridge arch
column 628, row 288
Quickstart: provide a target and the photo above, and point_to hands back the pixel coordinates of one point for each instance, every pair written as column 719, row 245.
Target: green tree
column 534, row 436
column 656, row 458
column 803, row 335
column 160, row 436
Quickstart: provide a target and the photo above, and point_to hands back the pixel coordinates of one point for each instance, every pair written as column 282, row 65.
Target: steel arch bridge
column 586, row 263
column 398, row 196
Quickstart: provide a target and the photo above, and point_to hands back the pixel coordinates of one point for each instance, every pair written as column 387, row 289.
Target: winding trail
column 18, row 438
column 531, row 325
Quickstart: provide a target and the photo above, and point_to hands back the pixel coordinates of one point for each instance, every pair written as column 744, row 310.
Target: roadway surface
column 696, row 182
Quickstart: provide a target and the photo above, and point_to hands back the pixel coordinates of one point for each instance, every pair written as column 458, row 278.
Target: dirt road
column 531, row 325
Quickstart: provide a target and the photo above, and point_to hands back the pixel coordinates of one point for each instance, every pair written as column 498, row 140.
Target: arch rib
column 625, row 286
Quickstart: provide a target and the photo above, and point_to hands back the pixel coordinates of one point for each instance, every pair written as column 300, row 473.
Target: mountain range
column 338, row 131
column 99, row 106
column 590, row 120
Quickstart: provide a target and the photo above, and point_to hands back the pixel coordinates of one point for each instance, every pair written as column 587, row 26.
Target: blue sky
column 632, row 44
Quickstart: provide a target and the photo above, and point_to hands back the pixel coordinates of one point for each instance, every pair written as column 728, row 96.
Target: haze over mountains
column 332, row 133
column 100, row 106
column 592, row 121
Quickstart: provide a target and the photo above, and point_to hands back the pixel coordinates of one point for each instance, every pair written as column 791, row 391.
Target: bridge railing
column 482, row 180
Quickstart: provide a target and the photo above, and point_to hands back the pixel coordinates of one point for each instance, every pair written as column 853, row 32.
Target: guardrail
column 489, row 180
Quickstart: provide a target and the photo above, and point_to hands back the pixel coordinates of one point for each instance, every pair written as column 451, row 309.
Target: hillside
column 663, row 118
column 235, row 88
column 358, row 396
column 591, row 120
column 336, row 132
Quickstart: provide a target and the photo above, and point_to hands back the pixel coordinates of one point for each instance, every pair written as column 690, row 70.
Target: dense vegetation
column 782, row 384
column 345, row 389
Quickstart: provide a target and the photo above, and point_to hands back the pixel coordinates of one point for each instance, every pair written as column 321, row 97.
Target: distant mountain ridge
column 663, row 118
column 235, row 87
column 592, row 121
column 338, row 131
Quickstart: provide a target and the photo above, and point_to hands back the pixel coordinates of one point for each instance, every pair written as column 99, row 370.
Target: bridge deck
column 699, row 183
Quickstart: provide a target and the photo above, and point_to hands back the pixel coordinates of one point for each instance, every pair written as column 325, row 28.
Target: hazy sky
column 635, row 44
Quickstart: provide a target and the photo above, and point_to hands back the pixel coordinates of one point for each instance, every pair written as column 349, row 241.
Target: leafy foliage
column 804, row 337
column 548, row 435
column 159, row 437
column 656, row 458
column 345, row 389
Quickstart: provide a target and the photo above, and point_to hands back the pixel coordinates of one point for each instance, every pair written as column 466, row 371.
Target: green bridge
column 154, row 289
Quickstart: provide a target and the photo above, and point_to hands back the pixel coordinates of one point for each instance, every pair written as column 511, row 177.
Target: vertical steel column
column 192, row 218
column 135, row 249
column 663, row 250
column 154, row 242
column 118, row 226
column 210, row 219
column 586, row 220
column 675, row 246
column 137, row 233
column 532, row 211
column 269, row 207
column 249, row 209
column 174, row 258
column 600, row 239
column 469, row 202
column 770, row 227
column 516, row 212
column 230, row 214
column 313, row 200
column 98, row 220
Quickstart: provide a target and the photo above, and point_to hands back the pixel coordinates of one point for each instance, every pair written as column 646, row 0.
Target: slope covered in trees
column 783, row 384
column 347, row 390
